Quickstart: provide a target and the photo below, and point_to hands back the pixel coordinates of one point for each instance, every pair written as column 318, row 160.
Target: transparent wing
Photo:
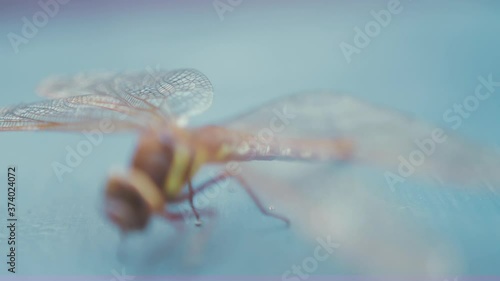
column 78, row 85
column 129, row 100
column 347, row 216
column 348, row 203
column 179, row 93
column 73, row 113
column 402, row 146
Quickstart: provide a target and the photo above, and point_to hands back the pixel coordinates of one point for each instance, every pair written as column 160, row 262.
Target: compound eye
column 124, row 206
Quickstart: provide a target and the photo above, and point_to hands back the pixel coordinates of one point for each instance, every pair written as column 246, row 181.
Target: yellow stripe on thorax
column 192, row 158
column 201, row 157
column 181, row 162
column 176, row 175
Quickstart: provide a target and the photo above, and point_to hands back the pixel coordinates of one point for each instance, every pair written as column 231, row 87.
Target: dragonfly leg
column 257, row 201
column 178, row 217
column 203, row 186
column 191, row 203
column 243, row 183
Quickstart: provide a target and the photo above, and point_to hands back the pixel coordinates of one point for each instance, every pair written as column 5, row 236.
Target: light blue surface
column 428, row 58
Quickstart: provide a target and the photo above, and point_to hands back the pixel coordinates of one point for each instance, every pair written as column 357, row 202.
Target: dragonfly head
column 125, row 206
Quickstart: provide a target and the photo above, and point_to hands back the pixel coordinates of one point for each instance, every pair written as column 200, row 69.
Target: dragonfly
column 308, row 127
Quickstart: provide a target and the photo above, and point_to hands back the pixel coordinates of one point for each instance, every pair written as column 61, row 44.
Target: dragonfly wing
column 177, row 94
column 129, row 100
column 56, row 87
column 72, row 113
column 346, row 203
column 381, row 136
column 333, row 207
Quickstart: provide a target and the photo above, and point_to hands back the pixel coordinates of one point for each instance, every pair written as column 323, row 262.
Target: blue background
column 427, row 59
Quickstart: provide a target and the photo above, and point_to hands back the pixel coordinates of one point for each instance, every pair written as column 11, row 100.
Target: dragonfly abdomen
column 317, row 150
column 235, row 146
